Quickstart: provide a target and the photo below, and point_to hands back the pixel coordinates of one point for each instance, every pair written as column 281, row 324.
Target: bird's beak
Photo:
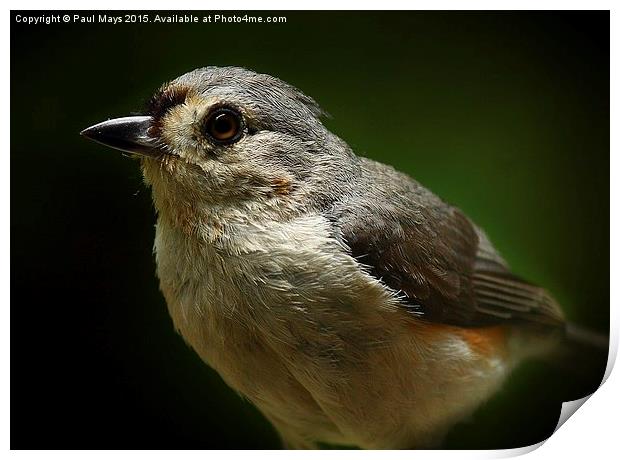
column 128, row 134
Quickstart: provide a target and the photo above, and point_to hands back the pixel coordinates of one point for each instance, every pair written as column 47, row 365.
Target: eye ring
column 224, row 125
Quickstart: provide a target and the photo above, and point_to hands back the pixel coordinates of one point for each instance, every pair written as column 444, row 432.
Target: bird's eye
column 224, row 125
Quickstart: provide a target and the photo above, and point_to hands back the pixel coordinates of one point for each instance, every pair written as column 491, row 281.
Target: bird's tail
column 582, row 355
column 586, row 338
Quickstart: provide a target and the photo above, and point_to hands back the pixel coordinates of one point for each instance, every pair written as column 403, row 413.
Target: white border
column 592, row 432
column 317, row 5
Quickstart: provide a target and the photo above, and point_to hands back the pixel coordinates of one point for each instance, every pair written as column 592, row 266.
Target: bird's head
column 233, row 141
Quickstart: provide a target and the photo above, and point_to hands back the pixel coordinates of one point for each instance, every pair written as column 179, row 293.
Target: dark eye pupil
column 224, row 125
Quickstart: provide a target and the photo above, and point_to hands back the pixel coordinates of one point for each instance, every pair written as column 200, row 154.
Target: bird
column 346, row 301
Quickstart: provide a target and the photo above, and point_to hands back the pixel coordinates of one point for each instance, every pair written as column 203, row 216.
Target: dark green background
column 505, row 115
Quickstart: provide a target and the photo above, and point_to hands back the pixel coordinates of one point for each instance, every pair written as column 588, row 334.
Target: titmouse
column 349, row 303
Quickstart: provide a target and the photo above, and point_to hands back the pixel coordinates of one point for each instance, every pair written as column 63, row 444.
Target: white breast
column 290, row 320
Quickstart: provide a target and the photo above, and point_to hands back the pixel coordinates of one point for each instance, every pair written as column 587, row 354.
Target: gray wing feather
column 431, row 253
